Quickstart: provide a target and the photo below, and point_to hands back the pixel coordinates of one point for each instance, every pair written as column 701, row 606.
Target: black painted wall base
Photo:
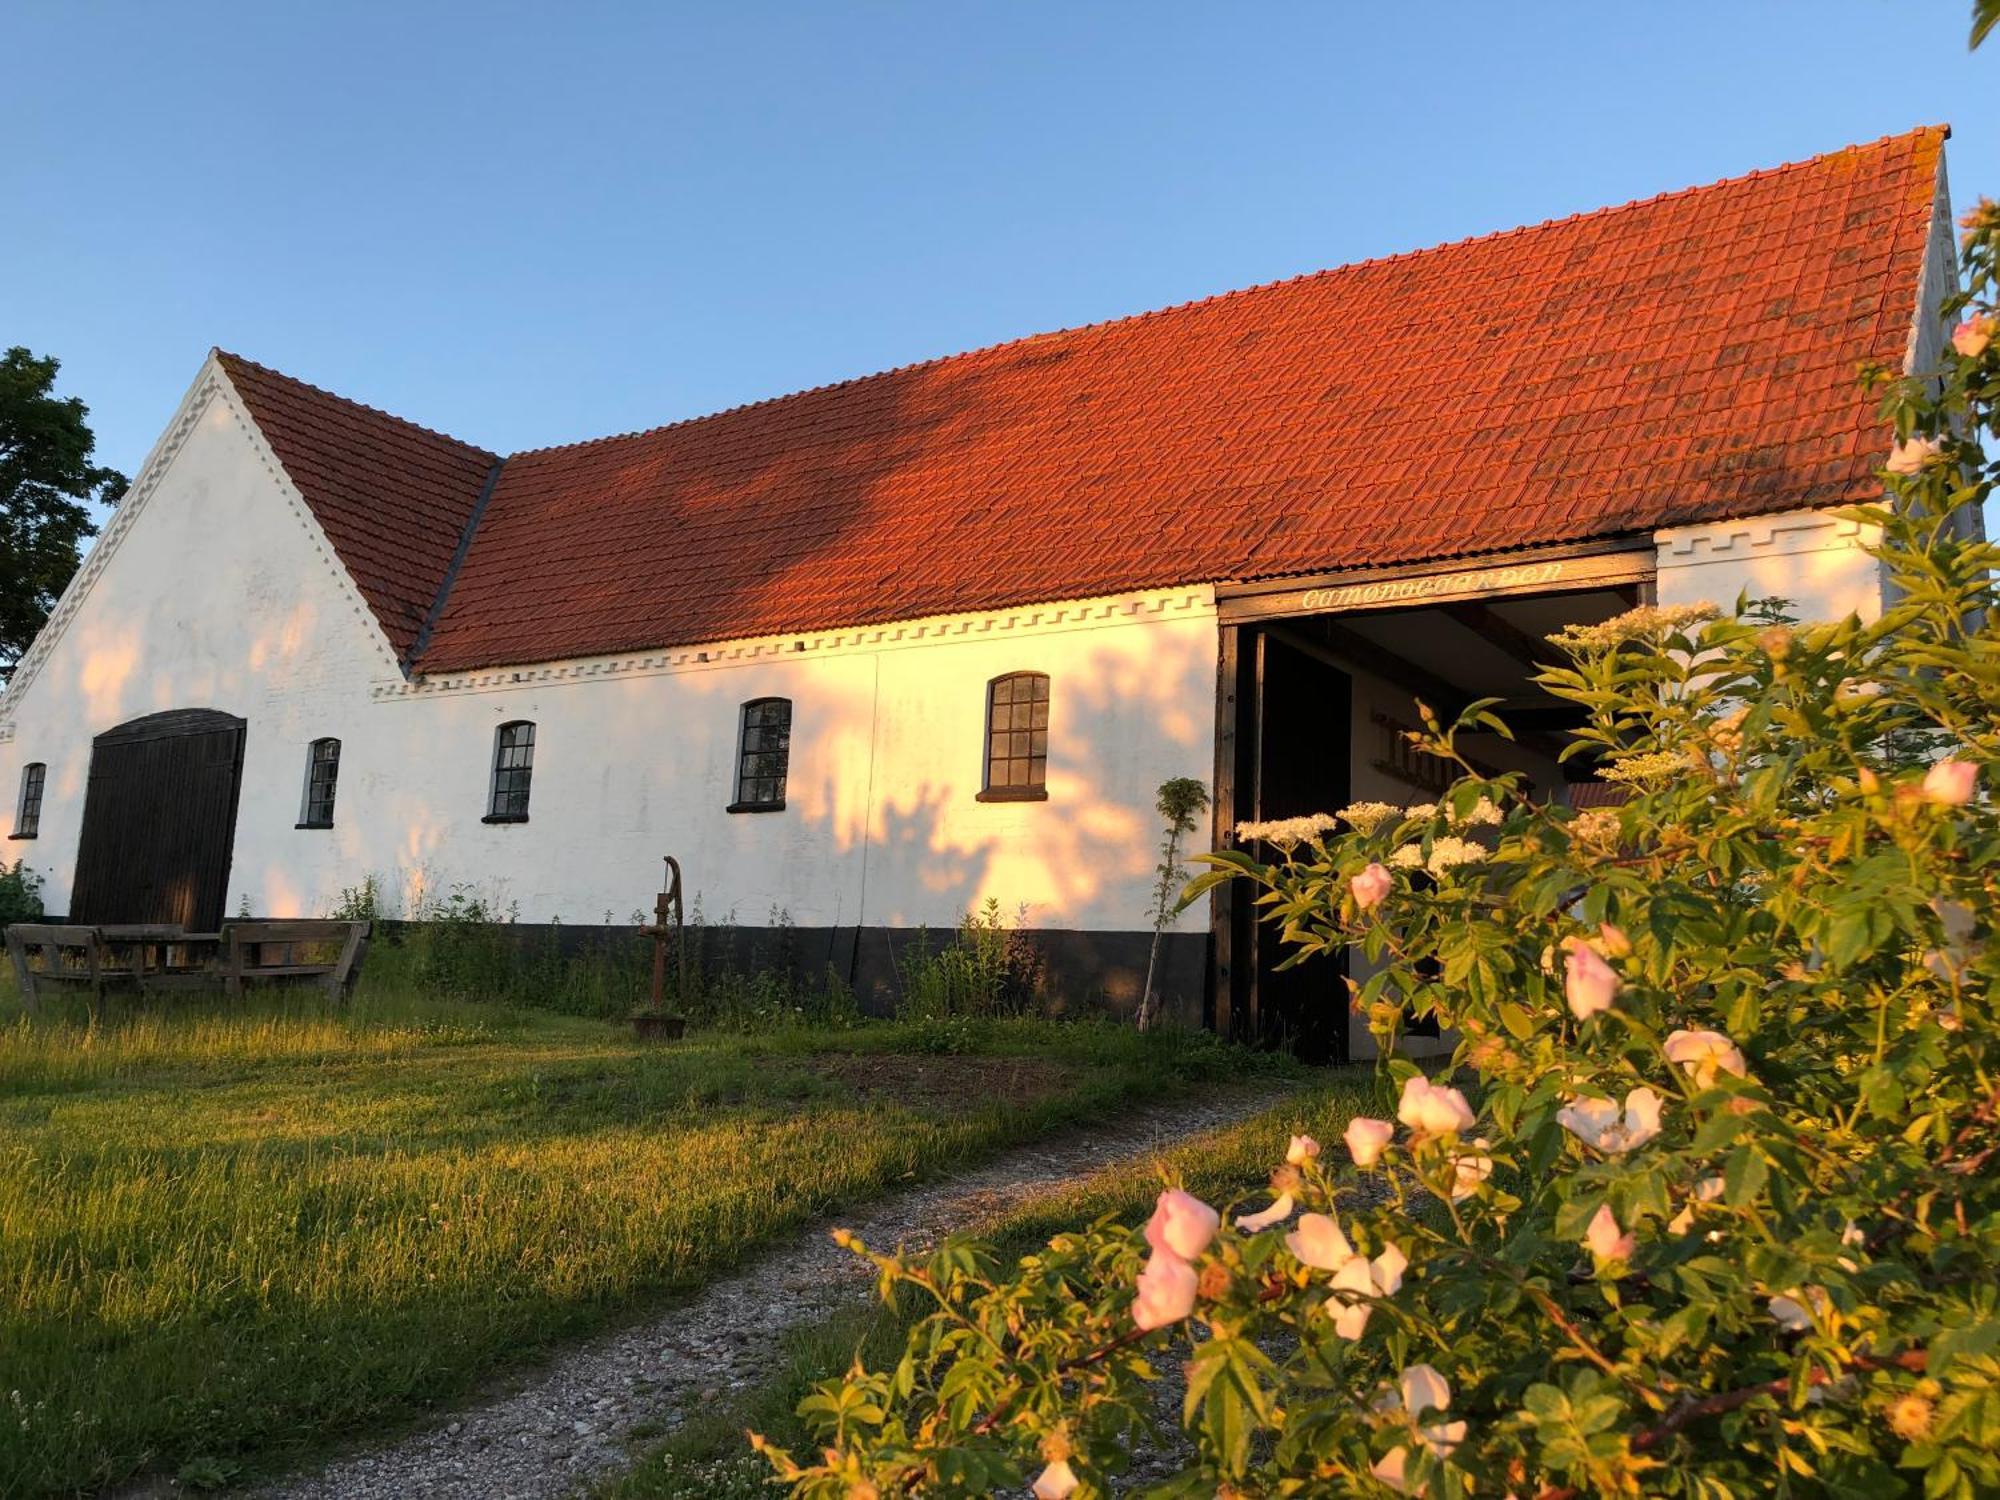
column 1083, row 973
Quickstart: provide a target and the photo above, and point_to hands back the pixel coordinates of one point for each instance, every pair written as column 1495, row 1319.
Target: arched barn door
column 159, row 820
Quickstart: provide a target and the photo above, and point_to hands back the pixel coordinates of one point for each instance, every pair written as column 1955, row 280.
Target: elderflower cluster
column 1448, row 853
column 1649, row 622
column 1596, row 826
column 1366, row 817
column 1485, row 813
column 1649, row 765
column 1288, row 833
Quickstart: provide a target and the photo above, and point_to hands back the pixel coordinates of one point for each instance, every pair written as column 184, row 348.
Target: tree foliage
column 46, row 478
column 1713, row 1208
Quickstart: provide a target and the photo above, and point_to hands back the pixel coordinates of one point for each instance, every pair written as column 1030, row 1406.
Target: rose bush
column 1710, row 1205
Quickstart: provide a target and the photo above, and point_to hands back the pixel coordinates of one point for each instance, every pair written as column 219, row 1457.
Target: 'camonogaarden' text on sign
column 1434, row 586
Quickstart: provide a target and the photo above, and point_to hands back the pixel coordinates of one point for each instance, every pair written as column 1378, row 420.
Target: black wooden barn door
column 1303, row 706
column 159, row 821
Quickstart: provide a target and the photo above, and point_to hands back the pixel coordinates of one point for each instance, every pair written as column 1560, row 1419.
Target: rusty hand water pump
column 669, row 926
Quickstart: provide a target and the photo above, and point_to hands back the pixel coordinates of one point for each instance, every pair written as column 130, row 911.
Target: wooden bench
column 333, row 953
column 53, row 956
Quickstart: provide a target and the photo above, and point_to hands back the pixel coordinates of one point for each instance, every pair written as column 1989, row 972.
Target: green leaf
column 1985, row 16
column 1744, row 1175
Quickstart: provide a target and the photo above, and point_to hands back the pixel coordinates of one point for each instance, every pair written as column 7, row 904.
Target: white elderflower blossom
column 1366, row 817
column 1484, row 814
column 1409, row 857
column 1596, row 825
column 1447, row 853
column 1288, row 833
column 1649, row 622
column 1423, row 812
column 1649, row 765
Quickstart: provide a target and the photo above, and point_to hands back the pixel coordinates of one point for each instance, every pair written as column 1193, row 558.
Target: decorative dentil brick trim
column 1124, row 609
column 1783, row 535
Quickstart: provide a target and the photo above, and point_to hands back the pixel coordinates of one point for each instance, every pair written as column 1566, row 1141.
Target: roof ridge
column 228, row 358
column 1941, row 131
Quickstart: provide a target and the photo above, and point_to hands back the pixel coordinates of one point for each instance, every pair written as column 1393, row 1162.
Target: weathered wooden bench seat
column 54, row 956
column 331, row 952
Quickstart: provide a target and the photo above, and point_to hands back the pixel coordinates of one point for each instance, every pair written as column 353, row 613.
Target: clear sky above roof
column 528, row 224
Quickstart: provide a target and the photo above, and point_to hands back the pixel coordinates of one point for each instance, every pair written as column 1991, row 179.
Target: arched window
column 513, row 768
column 28, row 811
column 1017, row 738
column 763, row 755
column 322, row 772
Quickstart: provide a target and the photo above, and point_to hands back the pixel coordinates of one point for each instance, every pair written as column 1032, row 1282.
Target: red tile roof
column 1689, row 357
column 391, row 496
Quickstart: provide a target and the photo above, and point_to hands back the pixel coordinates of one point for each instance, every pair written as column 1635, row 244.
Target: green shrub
column 986, row 969
column 358, row 903
column 1712, row 1207
column 20, row 893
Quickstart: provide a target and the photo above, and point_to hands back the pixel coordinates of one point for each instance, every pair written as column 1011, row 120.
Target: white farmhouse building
column 872, row 653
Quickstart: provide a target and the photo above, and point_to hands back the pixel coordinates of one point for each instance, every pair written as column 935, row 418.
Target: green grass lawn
column 709, row 1459
column 231, row 1234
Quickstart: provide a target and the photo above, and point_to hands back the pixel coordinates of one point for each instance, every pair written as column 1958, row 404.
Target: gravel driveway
column 570, row 1422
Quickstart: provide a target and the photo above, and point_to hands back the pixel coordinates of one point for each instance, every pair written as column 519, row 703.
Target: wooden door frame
column 176, row 723
column 1242, row 609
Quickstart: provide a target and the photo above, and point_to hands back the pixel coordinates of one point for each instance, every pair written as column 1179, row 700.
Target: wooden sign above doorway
column 1566, row 570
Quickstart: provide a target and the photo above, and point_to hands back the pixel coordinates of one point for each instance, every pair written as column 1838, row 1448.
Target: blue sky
column 530, row 224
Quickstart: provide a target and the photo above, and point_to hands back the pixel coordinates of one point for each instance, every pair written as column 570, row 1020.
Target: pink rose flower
column 1277, row 1213
column 1056, row 1482
column 1350, row 1319
column 1605, row 1240
column 1370, row 886
column 1302, row 1149
column 1380, row 1277
column 1951, row 783
column 1589, row 983
column 1166, row 1291
column 1708, row 1190
column 1433, row 1110
column 1601, row 1124
column 1972, row 337
column 1910, row 457
column 1423, row 1389
column 1467, row 1172
column 1704, row 1054
column 1181, row 1224
column 1390, row 1467
column 1366, row 1138
column 1318, row 1243
column 1388, row 1268
column 1794, row 1312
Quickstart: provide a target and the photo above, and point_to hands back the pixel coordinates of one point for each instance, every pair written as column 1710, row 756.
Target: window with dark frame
column 1017, row 738
column 28, row 811
column 763, row 755
column 322, row 772
column 513, row 768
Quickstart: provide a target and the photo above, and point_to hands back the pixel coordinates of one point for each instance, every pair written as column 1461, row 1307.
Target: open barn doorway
column 1316, row 698
column 159, row 821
